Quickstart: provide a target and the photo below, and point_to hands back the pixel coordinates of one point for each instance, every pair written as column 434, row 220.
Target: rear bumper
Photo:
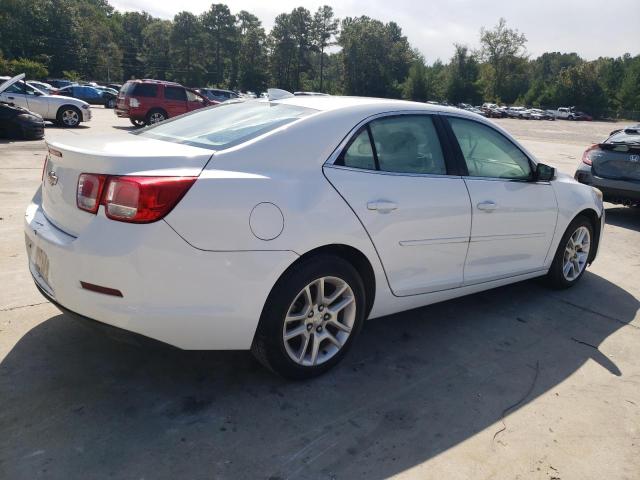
column 171, row 292
column 121, row 112
column 614, row 191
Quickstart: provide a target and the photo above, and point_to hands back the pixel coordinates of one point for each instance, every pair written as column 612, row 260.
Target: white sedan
column 280, row 226
column 65, row 111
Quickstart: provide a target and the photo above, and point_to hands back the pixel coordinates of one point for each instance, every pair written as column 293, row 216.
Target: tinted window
column 175, row 93
column 408, row 144
column 488, row 153
column 359, row 154
column 227, row 124
column 144, row 90
column 15, row 88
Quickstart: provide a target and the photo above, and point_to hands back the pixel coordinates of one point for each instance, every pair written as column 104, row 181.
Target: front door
column 394, row 176
column 513, row 217
column 175, row 100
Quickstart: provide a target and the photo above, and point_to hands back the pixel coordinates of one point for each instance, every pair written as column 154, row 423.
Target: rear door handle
column 382, row 206
column 11, row 98
column 487, row 206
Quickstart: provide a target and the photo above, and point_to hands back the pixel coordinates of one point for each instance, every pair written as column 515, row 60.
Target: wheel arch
column 593, row 217
column 352, row 255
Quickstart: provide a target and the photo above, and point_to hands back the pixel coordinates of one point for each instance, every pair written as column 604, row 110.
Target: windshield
column 227, row 124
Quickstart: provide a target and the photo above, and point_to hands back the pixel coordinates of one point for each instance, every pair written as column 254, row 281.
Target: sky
column 591, row 28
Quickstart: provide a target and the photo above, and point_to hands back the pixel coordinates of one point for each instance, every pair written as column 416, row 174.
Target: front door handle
column 487, row 206
column 11, row 98
column 382, row 206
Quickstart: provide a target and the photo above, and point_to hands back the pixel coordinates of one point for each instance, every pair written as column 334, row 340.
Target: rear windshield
column 624, row 137
column 227, row 124
column 139, row 89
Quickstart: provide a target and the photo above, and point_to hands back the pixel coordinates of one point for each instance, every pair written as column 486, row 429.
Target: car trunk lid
column 130, row 155
column 617, row 161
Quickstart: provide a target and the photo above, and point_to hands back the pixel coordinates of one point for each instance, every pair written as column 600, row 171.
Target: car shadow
column 415, row 385
column 129, row 128
column 625, row 217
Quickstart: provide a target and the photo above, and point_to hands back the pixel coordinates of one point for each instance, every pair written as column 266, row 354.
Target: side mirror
column 544, row 173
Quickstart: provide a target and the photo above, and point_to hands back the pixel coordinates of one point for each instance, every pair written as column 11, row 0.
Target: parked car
column 218, row 95
column 58, row 83
column 518, row 112
column 613, row 166
column 278, row 226
column 568, row 113
column 91, row 95
column 115, row 86
column 537, row 114
column 317, row 94
column 42, row 86
column 18, row 122
column 146, row 102
column 494, row 112
column 65, row 111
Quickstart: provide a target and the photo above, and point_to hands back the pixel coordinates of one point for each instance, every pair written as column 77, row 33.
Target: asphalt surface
column 514, row 383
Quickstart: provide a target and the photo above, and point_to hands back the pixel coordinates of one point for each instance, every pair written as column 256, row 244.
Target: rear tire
column 572, row 255
column 137, row 123
column 303, row 331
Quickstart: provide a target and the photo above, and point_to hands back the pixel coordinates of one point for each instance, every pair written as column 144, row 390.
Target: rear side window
column 401, row 144
column 144, row 90
column 175, row 93
column 227, row 124
column 408, row 144
column 359, row 154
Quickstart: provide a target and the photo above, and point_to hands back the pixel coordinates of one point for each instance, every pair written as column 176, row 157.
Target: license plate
column 41, row 263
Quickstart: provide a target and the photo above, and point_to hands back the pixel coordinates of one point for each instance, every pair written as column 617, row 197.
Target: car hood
column 10, row 82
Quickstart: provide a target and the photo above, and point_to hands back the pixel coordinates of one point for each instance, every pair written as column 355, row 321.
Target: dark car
column 218, row 95
column 115, row 86
column 613, row 166
column 145, row 102
column 18, row 122
column 57, row 83
column 89, row 94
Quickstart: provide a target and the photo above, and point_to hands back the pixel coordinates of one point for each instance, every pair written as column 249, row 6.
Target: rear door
column 175, row 100
column 513, row 218
column 396, row 176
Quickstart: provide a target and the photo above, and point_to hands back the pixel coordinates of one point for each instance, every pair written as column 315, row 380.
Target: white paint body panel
column 199, row 279
column 423, row 242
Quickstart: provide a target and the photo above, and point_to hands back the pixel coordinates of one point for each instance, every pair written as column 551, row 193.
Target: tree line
column 89, row 39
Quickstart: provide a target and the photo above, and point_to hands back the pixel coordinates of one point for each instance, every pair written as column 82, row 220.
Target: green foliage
column 88, row 39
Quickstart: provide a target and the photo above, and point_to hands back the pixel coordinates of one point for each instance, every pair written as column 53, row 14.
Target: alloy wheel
column 70, row 118
column 576, row 253
column 156, row 117
column 319, row 321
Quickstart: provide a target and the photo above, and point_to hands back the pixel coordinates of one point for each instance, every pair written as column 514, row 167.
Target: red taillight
column 131, row 199
column 586, row 156
column 89, row 191
column 143, row 199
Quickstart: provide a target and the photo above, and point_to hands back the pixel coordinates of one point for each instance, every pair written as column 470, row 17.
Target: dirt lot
column 518, row 382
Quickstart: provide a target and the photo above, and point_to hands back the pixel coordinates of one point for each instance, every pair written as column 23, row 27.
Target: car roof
column 331, row 102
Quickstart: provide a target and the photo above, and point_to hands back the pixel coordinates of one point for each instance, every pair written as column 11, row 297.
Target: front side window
column 488, row 153
column 227, row 124
column 175, row 93
column 193, row 97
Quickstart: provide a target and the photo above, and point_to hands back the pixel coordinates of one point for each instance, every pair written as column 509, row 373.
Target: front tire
column 69, row 116
column 311, row 318
column 572, row 256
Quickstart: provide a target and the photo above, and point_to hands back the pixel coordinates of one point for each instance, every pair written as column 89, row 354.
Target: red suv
column 146, row 102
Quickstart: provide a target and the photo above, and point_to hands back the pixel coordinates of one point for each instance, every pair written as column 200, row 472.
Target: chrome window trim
column 356, row 129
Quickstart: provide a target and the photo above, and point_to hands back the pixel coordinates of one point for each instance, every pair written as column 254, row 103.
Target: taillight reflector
column 131, row 198
column 100, row 289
